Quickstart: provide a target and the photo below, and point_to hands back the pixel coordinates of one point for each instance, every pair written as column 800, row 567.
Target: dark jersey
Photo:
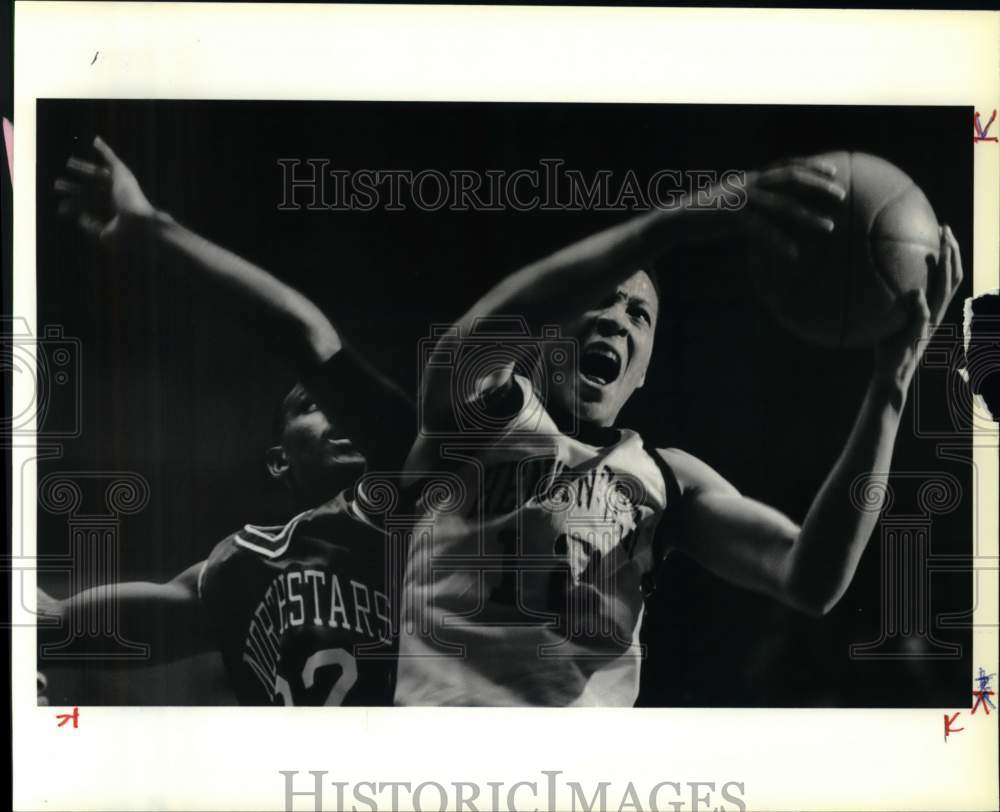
column 301, row 612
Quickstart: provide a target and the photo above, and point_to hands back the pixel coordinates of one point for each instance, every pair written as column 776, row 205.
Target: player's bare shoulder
column 693, row 475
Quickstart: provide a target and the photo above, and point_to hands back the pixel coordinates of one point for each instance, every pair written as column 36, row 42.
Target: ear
column 277, row 462
column 642, row 381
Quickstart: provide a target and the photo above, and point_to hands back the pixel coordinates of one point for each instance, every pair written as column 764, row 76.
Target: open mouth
column 338, row 442
column 343, row 451
column 600, row 365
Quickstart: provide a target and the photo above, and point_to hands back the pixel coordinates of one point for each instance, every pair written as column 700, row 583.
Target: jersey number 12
column 330, row 656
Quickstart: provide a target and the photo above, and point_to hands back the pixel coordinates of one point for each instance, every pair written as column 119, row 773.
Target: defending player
column 531, row 591
column 300, row 612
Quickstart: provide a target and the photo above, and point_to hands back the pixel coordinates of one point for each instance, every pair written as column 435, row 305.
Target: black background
column 178, row 389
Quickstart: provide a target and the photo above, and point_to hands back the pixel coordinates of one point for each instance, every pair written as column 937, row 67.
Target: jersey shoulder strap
column 670, row 524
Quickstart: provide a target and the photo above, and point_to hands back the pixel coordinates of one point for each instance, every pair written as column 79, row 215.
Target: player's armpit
column 501, row 396
column 447, row 389
column 695, row 476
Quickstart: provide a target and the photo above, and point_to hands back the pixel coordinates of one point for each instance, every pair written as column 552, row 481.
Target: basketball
column 844, row 289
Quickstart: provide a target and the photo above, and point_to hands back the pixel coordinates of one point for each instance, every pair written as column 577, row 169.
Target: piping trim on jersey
column 201, row 579
column 261, row 532
column 359, row 514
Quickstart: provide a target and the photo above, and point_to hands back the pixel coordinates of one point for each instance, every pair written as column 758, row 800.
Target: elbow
column 812, row 601
column 822, row 604
column 321, row 343
column 811, row 588
column 303, row 334
column 817, row 609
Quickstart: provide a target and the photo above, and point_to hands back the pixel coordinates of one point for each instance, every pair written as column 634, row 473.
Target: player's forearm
column 367, row 406
column 839, row 524
column 304, row 334
column 161, row 616
column 579, row 276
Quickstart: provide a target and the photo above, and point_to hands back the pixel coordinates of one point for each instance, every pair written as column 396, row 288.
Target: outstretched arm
column 108, row 204
column 810, row 567
column 168, row 616
column 350, row 390
column 778, row 205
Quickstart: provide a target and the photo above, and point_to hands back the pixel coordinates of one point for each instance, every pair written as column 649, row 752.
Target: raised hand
column 103, row 198
column 793, row 201
column 48, row 606
column 783, row 205
column 897, row 355
column 41, row 686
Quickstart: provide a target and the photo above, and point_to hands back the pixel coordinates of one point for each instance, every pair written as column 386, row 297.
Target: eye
column 641, row 314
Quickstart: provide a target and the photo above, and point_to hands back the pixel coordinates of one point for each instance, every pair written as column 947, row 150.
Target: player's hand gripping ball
column 855, row 286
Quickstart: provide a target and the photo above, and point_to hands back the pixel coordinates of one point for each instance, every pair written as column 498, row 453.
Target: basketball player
column 529, row 590
column 301, row 612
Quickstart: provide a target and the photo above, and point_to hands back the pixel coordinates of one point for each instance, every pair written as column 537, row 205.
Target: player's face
column 320, row 462
column 615, row 343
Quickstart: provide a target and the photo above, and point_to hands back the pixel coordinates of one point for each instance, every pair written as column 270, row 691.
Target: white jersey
column 527, row 588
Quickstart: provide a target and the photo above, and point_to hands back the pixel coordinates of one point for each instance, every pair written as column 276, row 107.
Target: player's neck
column 596, row 434
column 308, row 498
column 585, row 431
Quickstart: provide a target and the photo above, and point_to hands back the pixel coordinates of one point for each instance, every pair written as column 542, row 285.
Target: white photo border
column 229, row 758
